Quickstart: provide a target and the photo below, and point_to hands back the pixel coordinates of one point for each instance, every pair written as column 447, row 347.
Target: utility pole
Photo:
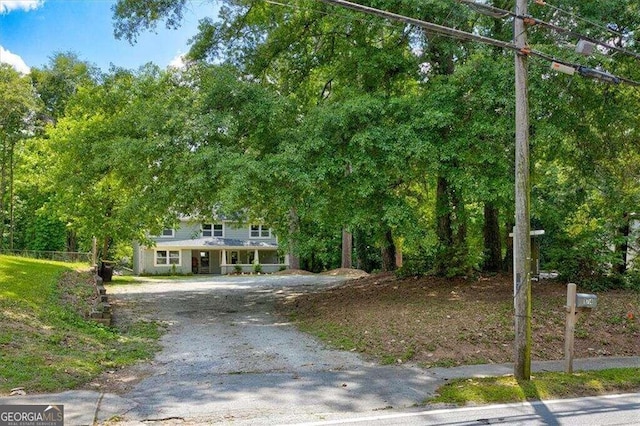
column 521, row 235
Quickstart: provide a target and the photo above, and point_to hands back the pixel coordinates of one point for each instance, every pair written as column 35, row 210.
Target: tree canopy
column 325, row 122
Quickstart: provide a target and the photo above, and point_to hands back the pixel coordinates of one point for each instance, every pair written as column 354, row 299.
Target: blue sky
column 31, row 31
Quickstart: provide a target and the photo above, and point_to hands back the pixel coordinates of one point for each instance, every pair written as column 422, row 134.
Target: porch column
column 223, row 261
column 256, row 257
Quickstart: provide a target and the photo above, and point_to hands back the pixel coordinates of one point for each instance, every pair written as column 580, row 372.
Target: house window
column 212, row 230
column 234, row 257
column 167, row 233
column 260, row 231
column 168, row 257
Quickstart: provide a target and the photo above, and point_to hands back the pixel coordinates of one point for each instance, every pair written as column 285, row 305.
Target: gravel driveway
column 226, row 357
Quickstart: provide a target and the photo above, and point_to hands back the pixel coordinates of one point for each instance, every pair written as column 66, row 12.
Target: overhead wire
column 322, row 12
column 578, row 17
column 534, row 21
column 463, row 35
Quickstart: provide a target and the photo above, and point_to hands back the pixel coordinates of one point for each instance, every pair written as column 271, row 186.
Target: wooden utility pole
column 522, row 241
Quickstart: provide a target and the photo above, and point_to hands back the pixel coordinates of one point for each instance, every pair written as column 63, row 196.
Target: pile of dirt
column 293, row 272
column 346, row 272
column 438, row 321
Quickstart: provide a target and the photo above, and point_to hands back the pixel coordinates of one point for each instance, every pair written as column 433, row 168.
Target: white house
column 210, row 248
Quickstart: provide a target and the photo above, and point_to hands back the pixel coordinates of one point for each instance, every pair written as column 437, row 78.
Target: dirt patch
column 436, row 321
column 119, row 381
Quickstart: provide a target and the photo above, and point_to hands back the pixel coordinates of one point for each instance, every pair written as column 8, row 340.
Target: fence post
column 94, row 253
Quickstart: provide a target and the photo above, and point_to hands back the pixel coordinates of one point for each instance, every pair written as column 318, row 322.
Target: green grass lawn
column 542, row 386
column 46, row 344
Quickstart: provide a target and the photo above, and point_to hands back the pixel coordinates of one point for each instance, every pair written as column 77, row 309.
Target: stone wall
column 101, row 312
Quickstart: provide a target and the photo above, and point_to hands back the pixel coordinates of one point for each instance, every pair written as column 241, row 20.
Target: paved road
column 227, row 358
column 611, row 410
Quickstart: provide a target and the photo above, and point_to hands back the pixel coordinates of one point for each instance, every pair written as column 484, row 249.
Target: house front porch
column 230, row 261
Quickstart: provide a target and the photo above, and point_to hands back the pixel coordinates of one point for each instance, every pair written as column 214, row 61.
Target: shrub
column 416, row 265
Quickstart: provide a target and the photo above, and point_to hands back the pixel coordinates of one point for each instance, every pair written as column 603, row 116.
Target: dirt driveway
column 226, row 357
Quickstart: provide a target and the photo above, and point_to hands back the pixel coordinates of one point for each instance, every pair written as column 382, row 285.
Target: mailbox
column 584, row 300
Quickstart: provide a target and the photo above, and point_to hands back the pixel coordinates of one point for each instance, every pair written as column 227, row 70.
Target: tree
column 422, row 123
column 38, row 227
column 18, row 107
column 104, row 171
column 58, row 81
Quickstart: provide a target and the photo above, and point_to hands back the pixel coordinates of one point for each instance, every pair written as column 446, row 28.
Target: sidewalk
column 89, row 408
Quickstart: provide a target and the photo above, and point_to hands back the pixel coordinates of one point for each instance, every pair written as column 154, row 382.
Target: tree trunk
column 399, row 260
column 362, row 254
column 347, row 249
column 507, row 263
column 492, row 241
column 294, row 259
column 622, row 248
column 11, row 218
column 459, row 222
column 72, row 241
column 451, row 230
column 388, row 252
column 443, row 213
column 105, row 247
column 3, row 187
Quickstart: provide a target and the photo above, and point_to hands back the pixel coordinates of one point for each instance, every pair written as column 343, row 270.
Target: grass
column 542, row 386
column 46, row 343
column 124, row 279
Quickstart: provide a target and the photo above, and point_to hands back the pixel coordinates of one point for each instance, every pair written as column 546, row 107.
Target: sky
column 32, row 31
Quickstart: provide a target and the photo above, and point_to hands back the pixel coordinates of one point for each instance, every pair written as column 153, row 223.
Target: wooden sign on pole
column 570, row 328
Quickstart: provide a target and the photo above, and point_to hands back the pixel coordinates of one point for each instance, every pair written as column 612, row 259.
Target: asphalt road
column 594, row 411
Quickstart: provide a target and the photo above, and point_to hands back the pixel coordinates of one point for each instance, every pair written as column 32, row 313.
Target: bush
column 257, row 268
column 586, row 260
column 417, row 265
column 632, row 280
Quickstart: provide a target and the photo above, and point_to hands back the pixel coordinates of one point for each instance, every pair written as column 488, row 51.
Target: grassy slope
column 45, row 342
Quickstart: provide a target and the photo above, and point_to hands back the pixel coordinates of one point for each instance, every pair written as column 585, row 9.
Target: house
column 223, row 247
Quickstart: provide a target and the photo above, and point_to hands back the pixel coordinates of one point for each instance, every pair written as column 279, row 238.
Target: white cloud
column 7, row 6
column 178, row 62
column 14, row 60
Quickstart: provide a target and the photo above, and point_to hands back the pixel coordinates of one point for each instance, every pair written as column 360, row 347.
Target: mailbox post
column 576, row 303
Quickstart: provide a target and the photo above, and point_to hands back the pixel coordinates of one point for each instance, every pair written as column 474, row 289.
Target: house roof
column 216, row 242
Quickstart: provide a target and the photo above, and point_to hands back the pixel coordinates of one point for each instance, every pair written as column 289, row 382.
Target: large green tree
column 392, row 126
column 39, row 227
column 19, row 105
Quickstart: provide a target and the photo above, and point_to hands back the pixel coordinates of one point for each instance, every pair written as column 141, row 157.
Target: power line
column 578, row 17
column 496, row 12
column 459, row 34
column 463, row 35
